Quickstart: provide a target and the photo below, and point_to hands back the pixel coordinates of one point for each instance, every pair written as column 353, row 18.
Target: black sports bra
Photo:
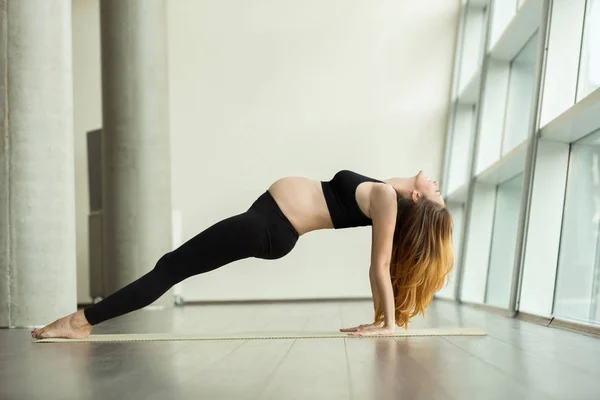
column 340, row 195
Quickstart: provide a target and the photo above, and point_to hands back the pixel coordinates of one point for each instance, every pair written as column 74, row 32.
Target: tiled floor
column 517, row 360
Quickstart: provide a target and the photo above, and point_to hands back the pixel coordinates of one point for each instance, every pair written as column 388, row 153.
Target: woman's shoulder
column 383, row 193
column 382, row 204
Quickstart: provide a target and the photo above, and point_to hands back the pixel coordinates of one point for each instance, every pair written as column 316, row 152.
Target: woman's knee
column 165, row 265
column 173, row 267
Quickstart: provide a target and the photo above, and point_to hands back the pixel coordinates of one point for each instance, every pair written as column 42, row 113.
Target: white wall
column 263, row 89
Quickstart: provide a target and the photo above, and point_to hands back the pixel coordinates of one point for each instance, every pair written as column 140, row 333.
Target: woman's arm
column 383, row 214
column 383, row 210
column 373, row 289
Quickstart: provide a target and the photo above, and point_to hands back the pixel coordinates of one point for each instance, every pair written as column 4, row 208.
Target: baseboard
column 550, row 322
column 559, row 323
column 574, row 326
column 536, row 319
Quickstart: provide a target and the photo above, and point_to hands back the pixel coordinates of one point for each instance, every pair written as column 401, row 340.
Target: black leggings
column 262, row 232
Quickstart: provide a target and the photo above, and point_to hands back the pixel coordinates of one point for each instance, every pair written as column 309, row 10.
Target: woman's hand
column 363, row 327
column 374, row 331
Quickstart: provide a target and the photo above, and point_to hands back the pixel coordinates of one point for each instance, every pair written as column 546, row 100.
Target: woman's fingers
column 355, row 328
column 373, row 332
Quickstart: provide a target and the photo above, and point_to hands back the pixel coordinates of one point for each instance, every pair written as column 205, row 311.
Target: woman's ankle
column 79, row 320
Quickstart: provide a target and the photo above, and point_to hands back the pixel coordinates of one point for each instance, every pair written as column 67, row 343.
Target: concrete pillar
column 37, row 196
column 136, row 153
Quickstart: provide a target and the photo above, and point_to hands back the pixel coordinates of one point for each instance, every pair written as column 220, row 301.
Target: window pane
column 503, row 13
column 520, row 93
column 578, row 279
column 477, row 241
column 472, row 45
column 562, row 61
column 462, row 139
column 589, row 70
column 493, row 110
column 504, row 239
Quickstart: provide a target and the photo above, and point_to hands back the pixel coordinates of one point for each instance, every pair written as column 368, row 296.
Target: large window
column 578, row 283
column 497, row 123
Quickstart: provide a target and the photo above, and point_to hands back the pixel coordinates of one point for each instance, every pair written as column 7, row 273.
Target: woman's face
column 428, row 188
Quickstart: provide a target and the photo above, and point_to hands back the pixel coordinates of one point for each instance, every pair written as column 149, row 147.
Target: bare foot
column 73, row 326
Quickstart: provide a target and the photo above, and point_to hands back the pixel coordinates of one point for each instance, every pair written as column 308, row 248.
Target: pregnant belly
column 303, row 203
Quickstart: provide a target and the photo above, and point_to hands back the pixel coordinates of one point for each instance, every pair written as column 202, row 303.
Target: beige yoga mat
column 258, row 335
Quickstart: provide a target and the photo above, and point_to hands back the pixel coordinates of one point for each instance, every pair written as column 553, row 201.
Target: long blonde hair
column 422, row 257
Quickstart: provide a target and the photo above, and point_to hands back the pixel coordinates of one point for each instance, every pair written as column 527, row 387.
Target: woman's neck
column 404, row 186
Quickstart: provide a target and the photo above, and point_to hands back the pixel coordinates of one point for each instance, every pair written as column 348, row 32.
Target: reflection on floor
column 517, row 360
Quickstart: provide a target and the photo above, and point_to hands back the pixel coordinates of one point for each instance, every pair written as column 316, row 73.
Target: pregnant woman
column 411, row 246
